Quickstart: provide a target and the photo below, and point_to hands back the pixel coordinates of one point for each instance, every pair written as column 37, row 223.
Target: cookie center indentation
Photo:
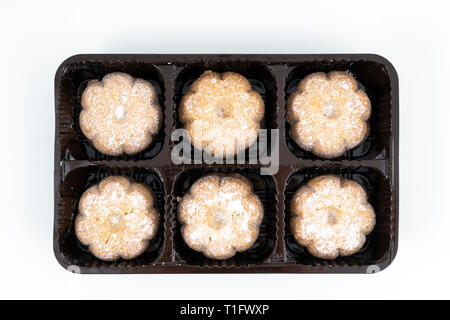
column 221, row 109
column 217, row 218
column 119, row 112
column 332, row 216
column 330, row 110
column 115, row 220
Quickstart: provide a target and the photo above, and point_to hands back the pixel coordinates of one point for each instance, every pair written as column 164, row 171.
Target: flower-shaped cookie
column 116, row 218
column 328, row 114
column 331, row 216
column 222, row 113
column 220, row 215
column 120, row 114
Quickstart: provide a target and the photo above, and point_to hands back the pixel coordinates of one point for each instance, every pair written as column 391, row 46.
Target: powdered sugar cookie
column 331, row 216
column 328, row 114
column 116, row 218
column 120, row 114
column 222, row 113
column 220, row 215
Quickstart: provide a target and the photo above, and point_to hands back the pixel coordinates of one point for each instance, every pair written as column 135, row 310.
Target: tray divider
column 279, row 71
column 169, row 175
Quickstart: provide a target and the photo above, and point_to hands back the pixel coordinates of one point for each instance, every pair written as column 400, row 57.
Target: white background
column 37, row 36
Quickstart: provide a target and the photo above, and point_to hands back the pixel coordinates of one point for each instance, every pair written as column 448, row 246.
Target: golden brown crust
column 120, row 114
column 220, row 215
column 116, row 218
column 331, row 216
column 328, row 114
column 222, row 113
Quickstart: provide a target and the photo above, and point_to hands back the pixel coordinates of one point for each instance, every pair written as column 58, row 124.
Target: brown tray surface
column 374, row 163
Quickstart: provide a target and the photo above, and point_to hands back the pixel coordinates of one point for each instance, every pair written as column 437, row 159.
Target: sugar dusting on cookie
column 331, row 216
column 116, row 218
column 222, row 113
column 221, row 216
column 328, row 114
column 120, row 114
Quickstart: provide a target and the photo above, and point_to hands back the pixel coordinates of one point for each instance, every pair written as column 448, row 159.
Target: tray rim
column 269, row 59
